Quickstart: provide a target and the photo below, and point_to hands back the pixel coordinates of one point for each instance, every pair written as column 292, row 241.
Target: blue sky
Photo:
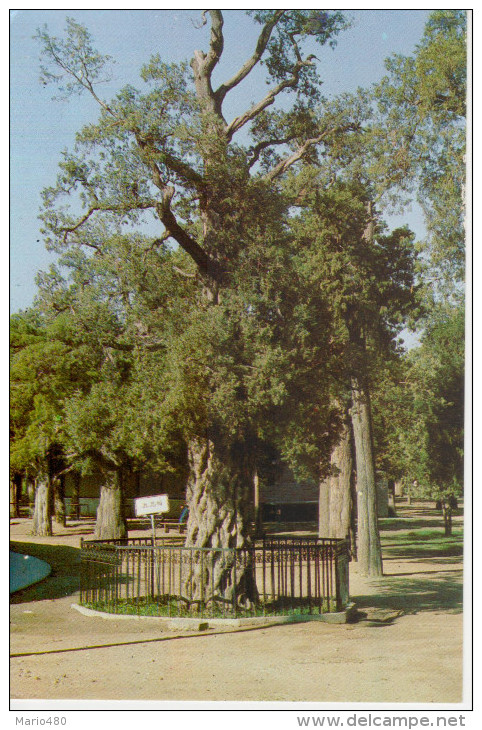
column 41, row 128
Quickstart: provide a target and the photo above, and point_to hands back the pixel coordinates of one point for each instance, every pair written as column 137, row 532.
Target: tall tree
column 422, row 103
column 171, row 151
column 422, row 107
column 15, row 492
column 420, row 408
column 43, row 374
column 336, row 496
column 108, row 416
column 413, row 140
column 368, row 277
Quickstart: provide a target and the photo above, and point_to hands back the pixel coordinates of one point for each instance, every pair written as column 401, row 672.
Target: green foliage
column 369, row 282
column 44, row 371
column 173, row 136
column 247, row 367
column 295, row 26
column 78, row 63
column 77, row 379
column 420, row 408
column 418, row 402
column 179, row 607
column 246, row 330
column 441, row 66
column 422, row 101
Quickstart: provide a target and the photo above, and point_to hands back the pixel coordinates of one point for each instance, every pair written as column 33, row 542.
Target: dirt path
column 402, row 661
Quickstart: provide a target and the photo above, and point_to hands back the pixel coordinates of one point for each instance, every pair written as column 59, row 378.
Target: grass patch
column 424, row 543
column 174, row 607
column 64, row 578
column 425, row 535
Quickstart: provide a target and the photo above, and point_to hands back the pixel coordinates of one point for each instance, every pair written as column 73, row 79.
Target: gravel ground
column 407, row 648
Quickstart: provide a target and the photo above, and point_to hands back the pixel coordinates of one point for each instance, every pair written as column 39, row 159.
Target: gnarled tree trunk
column 220, row 500
column 335, row 496
column 369, row 549
column 42, row 517
column 59, row 500
column 110, row 523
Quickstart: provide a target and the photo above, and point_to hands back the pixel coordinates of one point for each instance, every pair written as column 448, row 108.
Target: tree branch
column 247, row 67
column 205, row 264
column 203, row 64
column 217, row 42
column 147, row 145
column 269, row 99
column 83, row 80
column 282, row 166
column 258, row 148
column 183, row 273
column 102, row 208
column 183, row 170
column 157, row 242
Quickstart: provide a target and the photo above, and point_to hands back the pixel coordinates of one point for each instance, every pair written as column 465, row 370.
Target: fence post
column 82, row 569
column 342, row 575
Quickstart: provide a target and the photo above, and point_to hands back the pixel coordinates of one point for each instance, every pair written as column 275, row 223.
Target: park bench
column 167, row 525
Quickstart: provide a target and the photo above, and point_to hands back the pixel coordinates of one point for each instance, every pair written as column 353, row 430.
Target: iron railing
column 275, row 576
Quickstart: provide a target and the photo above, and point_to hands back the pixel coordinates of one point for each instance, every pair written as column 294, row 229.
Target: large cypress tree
column 171, row 152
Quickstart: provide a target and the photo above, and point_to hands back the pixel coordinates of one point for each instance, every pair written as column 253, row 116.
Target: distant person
column 184, row 515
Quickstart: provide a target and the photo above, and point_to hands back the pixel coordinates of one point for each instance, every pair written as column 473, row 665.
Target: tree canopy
column 420, row 408
column 227, row 284
column 422, row 102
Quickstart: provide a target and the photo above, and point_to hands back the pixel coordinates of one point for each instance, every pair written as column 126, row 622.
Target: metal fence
column 275, row 576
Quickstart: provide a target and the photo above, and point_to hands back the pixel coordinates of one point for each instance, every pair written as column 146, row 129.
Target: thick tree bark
column 220, row 500
column 110, row 523
column 31, row 486
column 42, row 518
column 59, row 500
column 369, row 549
column 335, row 497
column 13, row 499
column 15, row 493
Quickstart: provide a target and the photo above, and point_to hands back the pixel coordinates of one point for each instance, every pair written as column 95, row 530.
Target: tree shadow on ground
column 84, row 526
column 393, row 524
column 62, row 581
column 439, row 553
column 81, row 526
column 413, row 595
column 139, row 524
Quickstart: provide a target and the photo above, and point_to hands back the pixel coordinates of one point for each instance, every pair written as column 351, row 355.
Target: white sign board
column 152, row 505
